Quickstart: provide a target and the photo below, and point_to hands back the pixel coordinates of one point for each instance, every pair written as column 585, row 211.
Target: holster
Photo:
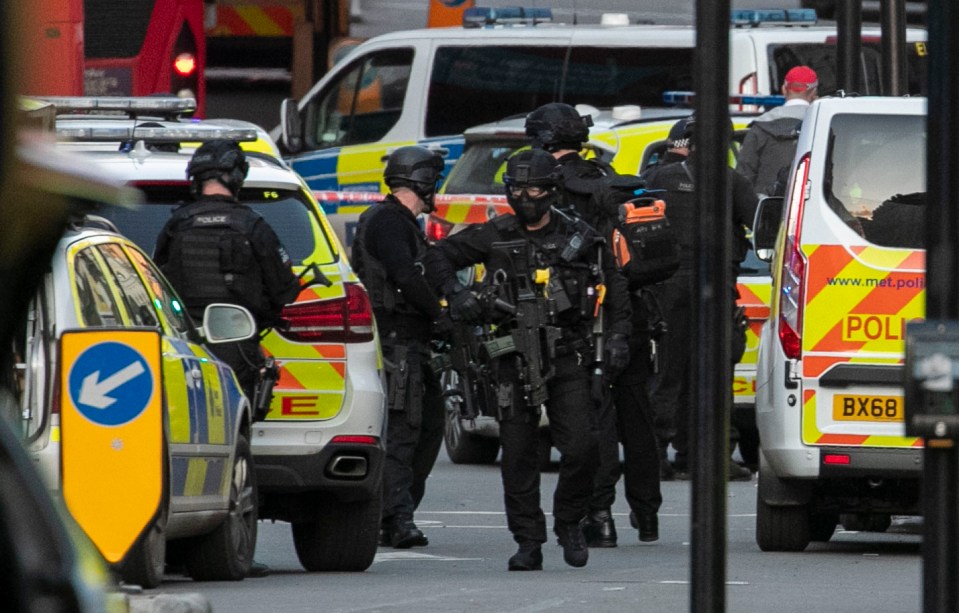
column 404, row 383
column 263, row 392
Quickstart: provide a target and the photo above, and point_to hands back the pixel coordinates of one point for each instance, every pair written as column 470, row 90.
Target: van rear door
column 861, row 239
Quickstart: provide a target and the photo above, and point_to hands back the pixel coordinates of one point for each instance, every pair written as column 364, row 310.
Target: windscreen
column 480, row 169
column 287, row 212
column 875, row 177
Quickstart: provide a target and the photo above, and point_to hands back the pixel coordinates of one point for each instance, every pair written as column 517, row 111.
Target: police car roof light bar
column 686, row 98
column 480, row 16
column 187, row 134
column 165, row 106
column 778, row 17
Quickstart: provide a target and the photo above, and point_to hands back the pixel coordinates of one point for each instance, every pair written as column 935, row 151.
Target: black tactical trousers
column 669, row 389
column 626, row 416
column 415, row 426
column 245, row 358
column 572, row 426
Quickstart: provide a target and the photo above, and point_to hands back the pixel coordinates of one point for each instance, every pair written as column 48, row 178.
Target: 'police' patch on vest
column 210, row 219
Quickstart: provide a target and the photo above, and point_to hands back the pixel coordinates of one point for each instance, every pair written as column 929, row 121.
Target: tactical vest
column 212, row 258
column 385, row 297
column 593, row 190
column 567, row 252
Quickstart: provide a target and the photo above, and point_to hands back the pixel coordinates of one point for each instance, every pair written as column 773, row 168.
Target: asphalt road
column 464, row 567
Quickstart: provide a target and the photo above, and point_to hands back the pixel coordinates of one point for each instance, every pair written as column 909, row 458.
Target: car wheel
column 340, row 536
column 782, row 528
column 465, row 448
column 227, row 553
column 822, row 526
column 144, row 563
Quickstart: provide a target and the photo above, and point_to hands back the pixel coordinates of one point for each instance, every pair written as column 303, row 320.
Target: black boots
column 570, row 536
column 599, row 529
column 529, row 557
column 402, row 533
column 647, row 524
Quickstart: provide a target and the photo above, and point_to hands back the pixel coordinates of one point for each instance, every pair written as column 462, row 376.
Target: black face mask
column 427, row 193
column 531, row 210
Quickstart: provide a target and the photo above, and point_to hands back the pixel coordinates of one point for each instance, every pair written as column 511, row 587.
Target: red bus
column 142, row 47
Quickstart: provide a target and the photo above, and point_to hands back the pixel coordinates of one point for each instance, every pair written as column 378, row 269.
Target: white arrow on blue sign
column 110, row 383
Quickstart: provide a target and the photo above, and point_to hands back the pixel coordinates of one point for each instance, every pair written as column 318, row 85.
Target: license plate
column 853, row 407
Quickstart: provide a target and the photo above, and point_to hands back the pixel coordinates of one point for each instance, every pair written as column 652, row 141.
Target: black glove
column 617, row 353
column 463, row 304
column 443, row 327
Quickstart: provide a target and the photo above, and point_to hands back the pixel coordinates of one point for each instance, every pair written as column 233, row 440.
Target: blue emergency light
column 481, row 16
column 683, row 98
column 754, row 17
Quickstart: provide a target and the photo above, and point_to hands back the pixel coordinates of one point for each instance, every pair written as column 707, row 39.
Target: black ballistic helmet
column 531, row 168
column 681, row 134
column 416, row 168
column 556, row 126
column 222, row 160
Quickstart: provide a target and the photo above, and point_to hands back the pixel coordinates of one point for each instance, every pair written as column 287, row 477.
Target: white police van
column 428, row 86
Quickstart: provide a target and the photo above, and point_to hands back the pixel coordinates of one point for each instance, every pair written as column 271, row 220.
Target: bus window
column 143, row 47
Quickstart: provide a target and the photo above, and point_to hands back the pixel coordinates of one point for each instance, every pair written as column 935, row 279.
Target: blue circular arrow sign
column 110, row 384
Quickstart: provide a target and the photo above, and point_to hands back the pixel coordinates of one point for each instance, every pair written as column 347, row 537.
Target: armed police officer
column 546, row 271
column 670, row 388
column 217, row 249
column 592, row 190
column 386, row 248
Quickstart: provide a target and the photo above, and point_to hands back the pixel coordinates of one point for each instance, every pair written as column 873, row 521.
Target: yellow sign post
column 111, row 420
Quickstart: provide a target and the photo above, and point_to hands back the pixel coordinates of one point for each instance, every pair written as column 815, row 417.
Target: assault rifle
column 530, row 332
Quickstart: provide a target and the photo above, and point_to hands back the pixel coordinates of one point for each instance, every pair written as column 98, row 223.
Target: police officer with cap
column 577, row 260
column 217, row 249
column 386, row 250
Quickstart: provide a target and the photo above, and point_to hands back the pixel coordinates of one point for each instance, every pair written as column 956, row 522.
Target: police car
column 99, row 279
column 848, row 273
column 319, row 453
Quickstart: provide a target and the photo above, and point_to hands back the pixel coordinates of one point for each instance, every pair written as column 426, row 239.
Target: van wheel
column 144, row 563
column 822, row 526
column 782, row 528
column 866, row 522
column 227, row 553
column 465, row 448
column 340, row 536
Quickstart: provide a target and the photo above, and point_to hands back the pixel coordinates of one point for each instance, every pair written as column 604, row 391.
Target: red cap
column 801, row 79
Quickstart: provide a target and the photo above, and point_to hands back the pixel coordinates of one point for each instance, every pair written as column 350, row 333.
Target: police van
column 848, row 273
column 428, row 86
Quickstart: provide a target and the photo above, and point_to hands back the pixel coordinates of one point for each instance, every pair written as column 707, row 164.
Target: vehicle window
column 288, row 212
column 135, row 296
column 474, row 85
column 364, row 103
column 752, row 266
column 611, row 76
column 822, row 58
column 875, row 177
column 166, row 298
column 97, row 307
column 480, row 169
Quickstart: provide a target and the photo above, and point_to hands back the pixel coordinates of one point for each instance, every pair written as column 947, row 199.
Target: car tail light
column 184, row 64
column 792, row 283
column 836, row 458
column 437, row 228
column 341, row 320
column 355, row 439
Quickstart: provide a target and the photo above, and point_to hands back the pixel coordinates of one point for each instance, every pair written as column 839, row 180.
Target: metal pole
column 849, row 52
column 893, row 19
column 712, row 314
column 940, row 543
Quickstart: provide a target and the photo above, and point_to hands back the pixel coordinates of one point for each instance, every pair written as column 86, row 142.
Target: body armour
column 212, row 258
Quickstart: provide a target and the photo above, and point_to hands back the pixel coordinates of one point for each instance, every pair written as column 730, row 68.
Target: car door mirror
column 227, row 323
column 291, row 125
column 769, row 215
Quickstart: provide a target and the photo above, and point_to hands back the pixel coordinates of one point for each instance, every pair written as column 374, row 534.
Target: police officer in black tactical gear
column 545, row 268
column 670, row 388
column 386, row 249
column 217, row 249
column 594, row 191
